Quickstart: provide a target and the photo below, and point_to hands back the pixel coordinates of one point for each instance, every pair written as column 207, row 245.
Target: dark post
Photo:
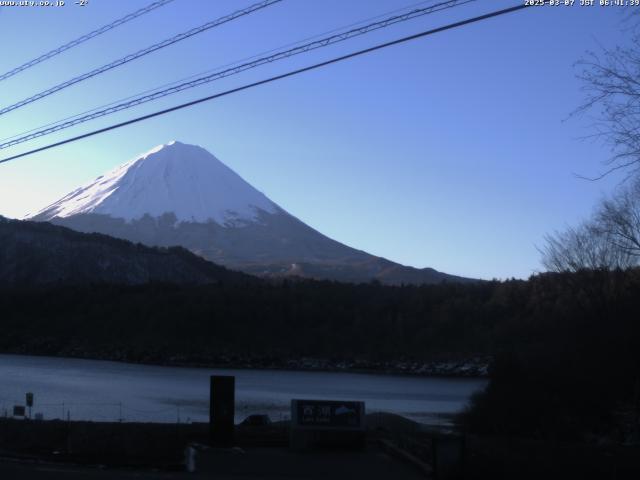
column 448, row 456
column 29, row 401
column 222, row 410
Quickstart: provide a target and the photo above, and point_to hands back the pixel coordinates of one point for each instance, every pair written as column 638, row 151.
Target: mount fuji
column 179, row 194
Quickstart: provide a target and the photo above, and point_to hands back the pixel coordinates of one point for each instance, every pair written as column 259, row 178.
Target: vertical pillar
column 222, row 410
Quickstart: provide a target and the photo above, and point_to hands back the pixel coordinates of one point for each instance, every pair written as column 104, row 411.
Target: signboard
column 18, row 410
column 29, row 399
column 328, row 413
column 336, row 424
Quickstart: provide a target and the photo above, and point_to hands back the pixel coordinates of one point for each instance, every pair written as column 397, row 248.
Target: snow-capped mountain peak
column 219, row 217
column 177, row 178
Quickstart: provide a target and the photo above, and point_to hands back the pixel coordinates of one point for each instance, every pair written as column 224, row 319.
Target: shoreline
column 469, row 367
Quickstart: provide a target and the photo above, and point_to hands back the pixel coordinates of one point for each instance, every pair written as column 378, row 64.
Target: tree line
column 564, row 344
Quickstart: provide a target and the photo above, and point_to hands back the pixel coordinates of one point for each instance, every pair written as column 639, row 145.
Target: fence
column 178, row 413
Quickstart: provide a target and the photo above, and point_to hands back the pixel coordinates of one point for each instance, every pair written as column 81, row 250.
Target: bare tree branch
column 611, row 82
column 609, row 240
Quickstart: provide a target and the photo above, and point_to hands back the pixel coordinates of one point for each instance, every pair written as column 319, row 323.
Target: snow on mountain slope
column 185, row 180
column 179, row 194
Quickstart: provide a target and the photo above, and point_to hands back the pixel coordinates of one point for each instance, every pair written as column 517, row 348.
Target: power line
column 86, row 37
column 195, row 75
column 273, row 79
column 341, row 37
column 113, row 108
column 141, row 53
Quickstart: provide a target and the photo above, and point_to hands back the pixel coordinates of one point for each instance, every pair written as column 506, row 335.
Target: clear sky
column 454, row 151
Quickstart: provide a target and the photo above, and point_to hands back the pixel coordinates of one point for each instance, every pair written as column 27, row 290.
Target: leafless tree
column 611, row 80
column 610, row 239
column 585, row 247
column 618, row 218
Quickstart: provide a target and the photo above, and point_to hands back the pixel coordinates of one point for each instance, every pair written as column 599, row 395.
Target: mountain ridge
column 179, row 194
column 41, row 254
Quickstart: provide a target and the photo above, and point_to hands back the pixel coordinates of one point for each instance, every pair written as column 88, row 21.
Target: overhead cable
column 272, row 79
column 340, row 37
column 140, row 53
column 84, row 38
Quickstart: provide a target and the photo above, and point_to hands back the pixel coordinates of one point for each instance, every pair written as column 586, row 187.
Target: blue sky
column 454, row 151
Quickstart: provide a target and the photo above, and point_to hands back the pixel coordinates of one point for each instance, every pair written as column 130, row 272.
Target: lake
column 111, row 391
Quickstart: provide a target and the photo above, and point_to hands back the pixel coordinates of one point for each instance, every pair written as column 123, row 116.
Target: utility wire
column 141, row 53
column 341, row 37
column 86, row 37
column 273, row 79
column 219, row 67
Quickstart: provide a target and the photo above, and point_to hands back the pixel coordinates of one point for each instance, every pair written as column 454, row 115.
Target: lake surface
column 111, row 391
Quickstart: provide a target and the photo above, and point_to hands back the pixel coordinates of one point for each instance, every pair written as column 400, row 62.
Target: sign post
column 29, row 401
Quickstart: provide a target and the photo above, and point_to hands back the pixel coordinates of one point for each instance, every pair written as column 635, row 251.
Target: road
column 257, row 463
column 11, row 470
